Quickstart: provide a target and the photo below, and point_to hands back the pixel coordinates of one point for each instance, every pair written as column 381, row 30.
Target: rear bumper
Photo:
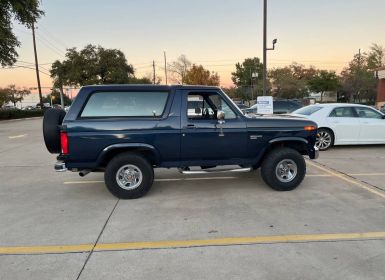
column 60, row 166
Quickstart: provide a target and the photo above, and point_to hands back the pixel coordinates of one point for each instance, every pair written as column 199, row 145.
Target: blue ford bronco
column 126, row 131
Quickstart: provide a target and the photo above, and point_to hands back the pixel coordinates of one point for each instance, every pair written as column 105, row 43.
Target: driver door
column 201, row 137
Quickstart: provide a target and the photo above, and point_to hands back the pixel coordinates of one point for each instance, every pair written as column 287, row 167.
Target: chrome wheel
column 324, row 140
column 129, row 177
column 286, row 170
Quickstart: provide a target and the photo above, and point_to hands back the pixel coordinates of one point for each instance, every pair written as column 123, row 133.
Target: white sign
column 265, row 105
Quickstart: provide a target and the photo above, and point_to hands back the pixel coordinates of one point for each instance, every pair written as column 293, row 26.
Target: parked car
column 126, row 131
column 9, row 107
column 345, row 124
column 29, row 108
column 279, row 107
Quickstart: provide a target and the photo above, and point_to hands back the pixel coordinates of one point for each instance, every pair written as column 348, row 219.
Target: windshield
column 308, row 110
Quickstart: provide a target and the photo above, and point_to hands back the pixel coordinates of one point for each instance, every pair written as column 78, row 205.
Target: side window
column 367, row 113
column 206, row 105
column 221, row 105
column 125, row 104
column 342, row 112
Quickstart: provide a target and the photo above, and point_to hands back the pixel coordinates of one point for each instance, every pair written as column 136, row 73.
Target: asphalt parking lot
column 227, row 226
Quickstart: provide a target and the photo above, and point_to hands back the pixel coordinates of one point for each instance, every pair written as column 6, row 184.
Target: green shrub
column 18, row 114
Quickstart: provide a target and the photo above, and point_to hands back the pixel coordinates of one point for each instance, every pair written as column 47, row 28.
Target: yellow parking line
column 193, row 243
column 347, row 179
column 45, row 249
column 367, row 174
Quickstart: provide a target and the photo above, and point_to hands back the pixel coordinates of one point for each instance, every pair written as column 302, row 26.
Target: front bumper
column 314, row 153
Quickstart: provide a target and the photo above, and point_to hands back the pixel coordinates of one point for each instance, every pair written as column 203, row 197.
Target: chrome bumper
column 316, row 153
column 60, row 166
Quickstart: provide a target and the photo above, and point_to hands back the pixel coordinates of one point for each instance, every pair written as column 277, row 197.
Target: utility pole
column 153, row 68
column 264, row 47
column 37, row 66
column 165, row 66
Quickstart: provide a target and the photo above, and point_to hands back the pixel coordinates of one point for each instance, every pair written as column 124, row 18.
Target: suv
column 126, row 131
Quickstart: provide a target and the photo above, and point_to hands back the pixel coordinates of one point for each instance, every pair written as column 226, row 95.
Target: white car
column 345, row 124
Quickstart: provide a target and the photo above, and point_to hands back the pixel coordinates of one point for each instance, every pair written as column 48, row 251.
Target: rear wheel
column 129, row 176
column 325, row 139
column 283, row 169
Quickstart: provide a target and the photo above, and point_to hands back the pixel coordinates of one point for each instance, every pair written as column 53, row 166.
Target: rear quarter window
column 125, row 104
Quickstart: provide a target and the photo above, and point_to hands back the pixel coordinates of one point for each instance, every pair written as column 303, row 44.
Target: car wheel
column 325, row 139
column 129, row 176
column 283, row 169
column 51, row 131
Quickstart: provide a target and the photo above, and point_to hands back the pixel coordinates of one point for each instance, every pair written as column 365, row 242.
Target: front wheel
column 283, row 169
column 129, row 176
column 325, row 139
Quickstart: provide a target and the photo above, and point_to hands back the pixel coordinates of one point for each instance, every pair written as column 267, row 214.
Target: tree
column 25, row 12
column 357, row 79
column 54, row 96
column 291, row 81
column 244, row 76
column 3, row 97
column 14, row 95
column 198, row 75
column 376, row 57
column 324, row 81
column 92, row 65
column 179, row 69
column 144, row 80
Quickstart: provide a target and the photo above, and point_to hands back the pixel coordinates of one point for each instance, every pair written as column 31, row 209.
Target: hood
column 278, row 121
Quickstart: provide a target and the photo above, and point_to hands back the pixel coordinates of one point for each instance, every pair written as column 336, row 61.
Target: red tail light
column 64, row 143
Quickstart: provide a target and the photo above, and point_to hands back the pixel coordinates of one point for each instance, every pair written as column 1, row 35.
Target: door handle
column 190, row 125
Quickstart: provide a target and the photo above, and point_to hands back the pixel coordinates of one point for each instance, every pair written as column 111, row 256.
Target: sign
column 265, row 105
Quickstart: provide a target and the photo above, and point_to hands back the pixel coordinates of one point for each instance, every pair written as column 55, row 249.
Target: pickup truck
column 126, row 131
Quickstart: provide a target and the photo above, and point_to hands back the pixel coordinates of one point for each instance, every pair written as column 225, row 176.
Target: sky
column 214, row 33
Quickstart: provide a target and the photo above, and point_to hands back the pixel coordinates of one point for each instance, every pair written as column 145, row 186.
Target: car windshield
column 308, row 110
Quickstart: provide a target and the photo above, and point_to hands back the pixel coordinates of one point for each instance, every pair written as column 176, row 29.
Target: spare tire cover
column 53, row 118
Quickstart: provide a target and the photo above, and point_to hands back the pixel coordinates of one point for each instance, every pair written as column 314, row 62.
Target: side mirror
column 220, row 115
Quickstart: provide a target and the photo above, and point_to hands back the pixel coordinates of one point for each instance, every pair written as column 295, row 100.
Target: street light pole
column 264, row 47
column 165, row 66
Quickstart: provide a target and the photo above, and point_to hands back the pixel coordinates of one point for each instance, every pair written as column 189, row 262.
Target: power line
column 50, row 46
column 53, row 37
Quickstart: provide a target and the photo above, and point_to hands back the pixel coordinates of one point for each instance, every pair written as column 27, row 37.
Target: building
column 380, row 74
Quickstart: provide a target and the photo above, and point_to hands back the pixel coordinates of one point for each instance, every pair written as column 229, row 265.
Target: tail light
column 64, row 143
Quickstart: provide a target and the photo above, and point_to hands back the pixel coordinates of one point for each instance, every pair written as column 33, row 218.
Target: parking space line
column 347, row 179
column 17, row 136
column 167, row 244
column 157, row 180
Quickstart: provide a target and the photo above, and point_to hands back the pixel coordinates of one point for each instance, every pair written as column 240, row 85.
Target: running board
column 193, row 172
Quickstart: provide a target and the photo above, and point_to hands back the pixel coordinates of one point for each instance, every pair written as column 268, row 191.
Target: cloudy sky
column 214, row 33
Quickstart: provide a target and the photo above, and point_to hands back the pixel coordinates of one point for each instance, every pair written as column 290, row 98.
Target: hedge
column 18, row 114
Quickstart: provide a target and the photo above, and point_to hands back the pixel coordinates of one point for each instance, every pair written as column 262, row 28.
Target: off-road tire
column 269, row 166
column 129, row 159
column 52, row 119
